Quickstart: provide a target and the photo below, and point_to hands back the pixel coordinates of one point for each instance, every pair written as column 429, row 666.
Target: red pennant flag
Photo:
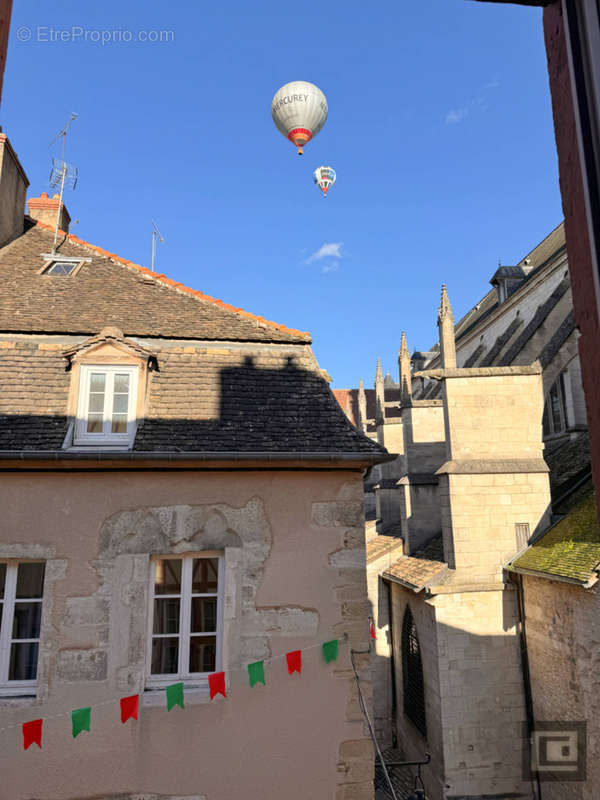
column 32, row 733
column 216, row 684
column 129, row 708
column 294, row 661
column 373, row 635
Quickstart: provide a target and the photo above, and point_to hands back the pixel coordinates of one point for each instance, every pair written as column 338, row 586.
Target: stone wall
column 482, row 697
column 562, row 623
column 410, row 740
column 293, row 545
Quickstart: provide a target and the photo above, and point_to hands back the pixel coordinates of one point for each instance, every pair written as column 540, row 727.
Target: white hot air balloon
column 299, row 111
column 324, row 177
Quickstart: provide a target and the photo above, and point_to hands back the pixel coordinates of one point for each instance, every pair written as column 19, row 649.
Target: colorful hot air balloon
column 299, row 111
column 324, row 177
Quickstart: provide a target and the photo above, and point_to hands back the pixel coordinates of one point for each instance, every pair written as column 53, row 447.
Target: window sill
column 25, row 699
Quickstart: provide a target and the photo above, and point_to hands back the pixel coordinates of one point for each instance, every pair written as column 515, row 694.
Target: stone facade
column 563, row 643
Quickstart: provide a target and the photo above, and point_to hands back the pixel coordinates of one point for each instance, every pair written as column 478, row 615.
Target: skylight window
column 61, row 268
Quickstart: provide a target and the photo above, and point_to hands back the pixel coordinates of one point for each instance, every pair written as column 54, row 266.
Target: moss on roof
column 570, row 549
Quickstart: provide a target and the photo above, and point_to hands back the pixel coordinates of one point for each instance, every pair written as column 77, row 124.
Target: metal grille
column 412, row 674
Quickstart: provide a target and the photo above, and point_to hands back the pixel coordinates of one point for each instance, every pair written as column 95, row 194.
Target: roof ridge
column 180, row 287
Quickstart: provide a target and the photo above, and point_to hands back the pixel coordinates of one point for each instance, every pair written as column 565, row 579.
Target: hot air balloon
column 299, row 111
column 324, row 177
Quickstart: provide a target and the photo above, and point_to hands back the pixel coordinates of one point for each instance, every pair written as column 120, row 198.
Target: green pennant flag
column 330, row 651
column 174, row 695
column 256, row 673
column 81, row 719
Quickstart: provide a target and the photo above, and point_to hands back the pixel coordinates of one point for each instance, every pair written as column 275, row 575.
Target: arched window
column 412, row 674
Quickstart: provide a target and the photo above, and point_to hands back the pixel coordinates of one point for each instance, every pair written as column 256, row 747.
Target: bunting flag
column 294, row 661
column 373, row 634
column 129, row 708
column 81, row 719
column 330, row 650
column 32, row 733
column 174, row 695
column 256, row 673
column 216, row 684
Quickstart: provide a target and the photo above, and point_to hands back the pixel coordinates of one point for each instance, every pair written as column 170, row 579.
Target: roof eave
column 551, row 576
column 40, row 459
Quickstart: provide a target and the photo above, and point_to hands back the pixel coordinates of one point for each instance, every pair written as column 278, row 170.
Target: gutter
column 181, row 458
column 550, row 576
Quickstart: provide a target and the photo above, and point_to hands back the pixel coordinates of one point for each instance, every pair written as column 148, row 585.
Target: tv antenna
column 156, row 234
column 62, row 174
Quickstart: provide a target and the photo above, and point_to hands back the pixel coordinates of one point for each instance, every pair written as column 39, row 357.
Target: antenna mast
column 156, row 234
column 62, row 174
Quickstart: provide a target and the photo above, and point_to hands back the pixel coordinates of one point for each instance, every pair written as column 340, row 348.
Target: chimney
column 13, row 185
column 44, row 209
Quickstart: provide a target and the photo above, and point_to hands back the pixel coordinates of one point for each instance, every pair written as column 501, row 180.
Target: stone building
column 181, row 496
column 490, row 430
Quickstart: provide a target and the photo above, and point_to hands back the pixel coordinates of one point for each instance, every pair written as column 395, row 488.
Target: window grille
column 522, row 534
column 412, row 674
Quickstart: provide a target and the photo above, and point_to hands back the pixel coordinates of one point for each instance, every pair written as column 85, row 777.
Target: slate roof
column 569, row 462
column 569, row 550
column 224, row 380
column 113, row 291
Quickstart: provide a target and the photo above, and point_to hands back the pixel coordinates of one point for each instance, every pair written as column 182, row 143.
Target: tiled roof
column 421, row 569
column 113, row 291
column 569, row 550
column 203, row 397
column 381, row 546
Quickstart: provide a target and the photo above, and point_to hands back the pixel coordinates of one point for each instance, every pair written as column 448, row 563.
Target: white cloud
column 327, row 250
column 330, row 267
column 456, row 115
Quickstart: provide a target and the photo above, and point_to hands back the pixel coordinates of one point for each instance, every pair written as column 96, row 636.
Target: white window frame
column 81, row 435
column 10, row 688
column 191, row 679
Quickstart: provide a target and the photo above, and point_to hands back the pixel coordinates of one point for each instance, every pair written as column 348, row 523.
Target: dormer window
column 106, row 413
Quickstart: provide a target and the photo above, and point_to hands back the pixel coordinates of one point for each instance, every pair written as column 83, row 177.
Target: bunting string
column 81, row 719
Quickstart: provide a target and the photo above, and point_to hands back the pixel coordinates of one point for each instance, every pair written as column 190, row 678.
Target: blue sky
column 439, row 128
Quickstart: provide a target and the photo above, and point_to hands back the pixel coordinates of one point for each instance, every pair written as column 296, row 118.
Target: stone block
column 82, row 665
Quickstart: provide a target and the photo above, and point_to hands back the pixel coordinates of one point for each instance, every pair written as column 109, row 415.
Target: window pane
column 26, row 621
column 204, row 614
column 555, row 406
column 203, row 651
column 167, row 577
column 94, row 423
column 121, row 384
column 166, row 616
column 205, row 574
column 164, row 656
column 23, row 662
column 96, row 403
column 2, row 579
column 119, row 423
column 120, row 403
column 97, row 382
column 30, row 580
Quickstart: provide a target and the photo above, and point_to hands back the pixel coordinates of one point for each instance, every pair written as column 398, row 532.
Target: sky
column 439, row 129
